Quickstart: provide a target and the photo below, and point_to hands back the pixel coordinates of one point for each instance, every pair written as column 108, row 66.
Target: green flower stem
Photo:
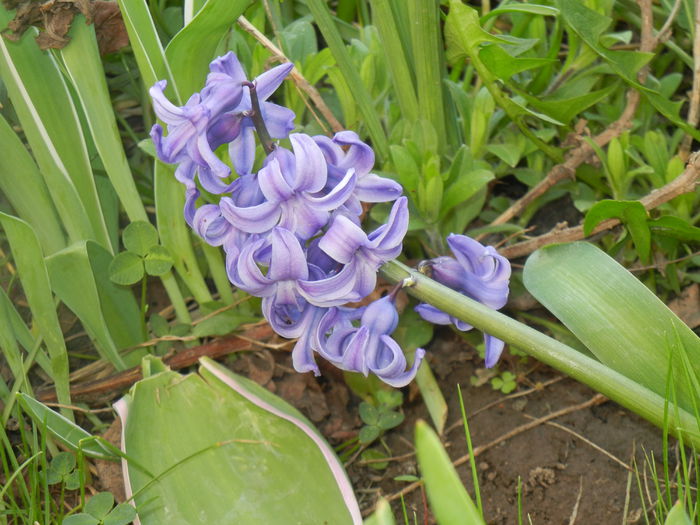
column 611, row 384
column 182, row 314
column 144, row 306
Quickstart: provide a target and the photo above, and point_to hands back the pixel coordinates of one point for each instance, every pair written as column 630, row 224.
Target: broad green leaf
column 217, row 269
column 100, row 504
column 618, row 318
column 126, row 269
column 504, row 65
column 677, row 516
column 67, row 432
column 390, row 419
column 22, row 184
column 322, row 16
column 251, row 454
column 382, row 515
column 158, row 261
column 221, row 324
column 73, row 281
column 463, row 32
column 368, row 413
column 368, row 434
column 35, row 282
column 565, row 109
column 45, row 109
column 631, row 213
column 449, row 500
column 81, row 58
column 139, row 237
column 191, row 50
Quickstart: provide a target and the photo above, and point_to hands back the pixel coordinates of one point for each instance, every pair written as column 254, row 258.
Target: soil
column 567, row 477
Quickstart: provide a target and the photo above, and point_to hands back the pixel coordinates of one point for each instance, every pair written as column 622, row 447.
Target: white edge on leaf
column 122, row 409
column 330, row 457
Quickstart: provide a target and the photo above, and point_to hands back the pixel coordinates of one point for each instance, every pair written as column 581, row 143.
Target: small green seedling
column 62, row 470
column 506, row 382
column 100, row 510
column 380, row 417
column 143, row 255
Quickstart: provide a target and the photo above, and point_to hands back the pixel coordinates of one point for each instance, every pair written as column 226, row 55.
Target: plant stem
column 257, row 118
column 593, row 373
column 144, row 305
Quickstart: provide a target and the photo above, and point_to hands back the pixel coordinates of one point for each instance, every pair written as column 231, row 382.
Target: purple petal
column 253, row 219
column 359, row 155
column 391, row 234
column 337, row 197
column 269, row 81
column 164, row 109
column 373, row 188
column 230, row 66
column 279, row 120
column 354, row 353
column 303, row 220
column 242, row 150
column 332, row 291
column 494, row 347
column 191, row 195
column 381, row 316
column 247, row 275
column 273, row 184
column 393, row 373
column 432, row 314
column 210, row 225
column 288, row 260
column 310, row 166
column 342, row 240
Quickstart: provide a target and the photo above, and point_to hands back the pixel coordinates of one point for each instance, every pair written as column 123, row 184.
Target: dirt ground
column 572, row 467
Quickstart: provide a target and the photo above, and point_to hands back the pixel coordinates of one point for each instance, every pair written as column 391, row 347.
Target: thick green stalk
column 617, row 387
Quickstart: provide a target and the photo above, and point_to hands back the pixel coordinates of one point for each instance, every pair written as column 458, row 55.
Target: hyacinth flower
column 360, row 254
column 368, row 347
column 237, row 123
column 478, row 272
column 346, row 151
column 291, row 185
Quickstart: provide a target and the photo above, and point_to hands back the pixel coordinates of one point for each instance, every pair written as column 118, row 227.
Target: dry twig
column 694, row 107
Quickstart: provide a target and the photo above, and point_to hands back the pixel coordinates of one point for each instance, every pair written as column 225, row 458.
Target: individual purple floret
column 478, row 272
column 368, row 347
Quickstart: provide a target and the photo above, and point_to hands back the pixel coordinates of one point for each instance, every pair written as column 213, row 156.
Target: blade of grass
column 26, row 190
column 472, row 460
column 322, row 16
column 82, row 62
column 35, row 283
column 425, row 37
column 383, row 19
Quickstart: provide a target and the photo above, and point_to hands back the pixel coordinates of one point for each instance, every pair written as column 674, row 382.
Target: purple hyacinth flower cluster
column 291, row 231
column 478, row 272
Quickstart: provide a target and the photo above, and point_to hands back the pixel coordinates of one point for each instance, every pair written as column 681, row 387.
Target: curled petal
column 191, row 196
column 354, row 353
column 288, row 261
column 342, row 239
column 359, row 155
column 381, row 316
column 391, row 234
column 332, row 291
column 310, row 169
column 164, row 109
column 303, row 220
column 242, row 149
column 337, row 197
column 279, row 120
column 494, row 348
column 273, row 184
column 247, row 275
column 253, row 219
column 391, row 363
column 435, row 316
column 210, row 225
column 373, row 188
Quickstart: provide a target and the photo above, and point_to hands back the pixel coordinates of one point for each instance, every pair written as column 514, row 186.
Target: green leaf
column 220, row 429
column 191, row 49
column 368, row 413
column 81, row 58
column 463, row 32
column 100, row 504
column 448, row 498
column 382, row 515
column 631, row 213
column 373, row 454
column 37, row 288
column 322, row 16
column 504, row 65
column 46, row 112
column 67, row 432
column 62, row 464
column 80, row 519
column 565, row 109
column 126, row 269
column 122, row 514
column 24, row 187
column 533, row 9
column 674, row 227
column 158, row 260
column 368, row 434
column 464, row 188
column 221, row 324
column 618, row 318
column 139, row 237
column 389, row 419
column 677, row 516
